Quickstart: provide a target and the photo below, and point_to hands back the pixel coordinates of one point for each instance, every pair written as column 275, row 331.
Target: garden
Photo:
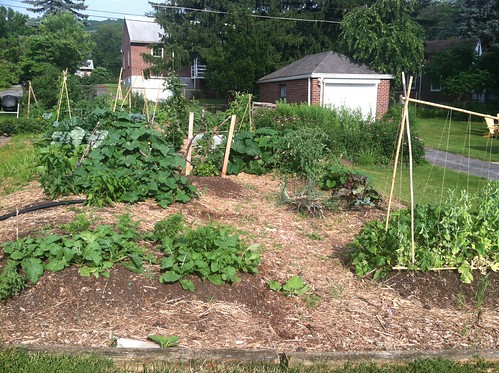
column 289, row 251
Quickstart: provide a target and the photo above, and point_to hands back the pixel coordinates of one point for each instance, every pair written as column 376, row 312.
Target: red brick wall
column 296, row 91
column 383, row 101
column 137, row 63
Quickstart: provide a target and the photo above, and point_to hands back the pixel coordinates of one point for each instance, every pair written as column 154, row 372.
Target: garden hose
column 40, row 207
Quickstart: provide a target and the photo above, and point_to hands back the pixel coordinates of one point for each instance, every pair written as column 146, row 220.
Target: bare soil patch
column 406, row 311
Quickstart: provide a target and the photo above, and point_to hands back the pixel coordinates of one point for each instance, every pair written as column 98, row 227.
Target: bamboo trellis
column 405, row 123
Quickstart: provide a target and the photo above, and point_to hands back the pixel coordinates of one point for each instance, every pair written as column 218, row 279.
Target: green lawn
column 430, row 182
column 458, row 137
column 17, row 163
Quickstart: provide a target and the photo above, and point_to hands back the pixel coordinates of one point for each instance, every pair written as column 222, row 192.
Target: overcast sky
column 97, row 9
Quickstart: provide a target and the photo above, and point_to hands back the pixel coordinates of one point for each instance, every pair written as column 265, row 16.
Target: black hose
column 40, row 207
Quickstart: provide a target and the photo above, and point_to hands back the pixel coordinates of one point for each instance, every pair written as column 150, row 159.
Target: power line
column 160, row 6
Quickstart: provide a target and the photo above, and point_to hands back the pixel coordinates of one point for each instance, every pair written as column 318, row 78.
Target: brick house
column 329, row 79
column 141, row 35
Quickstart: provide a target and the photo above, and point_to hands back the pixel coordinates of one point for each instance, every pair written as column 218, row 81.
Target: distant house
column 144, row 36
column 85, row 69
column 427, row 89
column 329, row 79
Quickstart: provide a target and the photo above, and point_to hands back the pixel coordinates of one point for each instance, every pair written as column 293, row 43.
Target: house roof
column 87, row 65
column 435, row 46
column 322, row 64
column 144, row 30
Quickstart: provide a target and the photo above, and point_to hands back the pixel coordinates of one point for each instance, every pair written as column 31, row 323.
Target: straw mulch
column 342, row 312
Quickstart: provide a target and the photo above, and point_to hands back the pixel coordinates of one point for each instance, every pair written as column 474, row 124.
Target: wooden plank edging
column 127, row 356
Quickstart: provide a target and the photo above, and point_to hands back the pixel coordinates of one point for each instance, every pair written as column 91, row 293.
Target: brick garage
column 329, row 79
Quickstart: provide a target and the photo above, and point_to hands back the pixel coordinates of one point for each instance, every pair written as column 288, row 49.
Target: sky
column 97, row 9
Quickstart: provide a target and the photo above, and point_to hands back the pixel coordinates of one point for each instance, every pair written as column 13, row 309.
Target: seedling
column 165, row 342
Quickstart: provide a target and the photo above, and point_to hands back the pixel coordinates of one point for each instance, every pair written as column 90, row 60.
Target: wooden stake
column 411, row 186
column 67, row 93
column 59, row 101
column 29, row 96
column 399, row 144
column 118, row 91
column 229, row 143
column 190, row 134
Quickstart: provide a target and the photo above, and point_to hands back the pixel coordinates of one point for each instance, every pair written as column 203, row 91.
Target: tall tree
column 60, row 41
column 107, row 48
column 58, row 6
column 13, row 31
column 440, row 19
column 385, row 37
column 479, row 19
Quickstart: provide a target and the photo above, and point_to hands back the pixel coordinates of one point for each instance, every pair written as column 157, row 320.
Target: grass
column 19, row 361
column 459, row 137
column 431, row 183
column 17, row 163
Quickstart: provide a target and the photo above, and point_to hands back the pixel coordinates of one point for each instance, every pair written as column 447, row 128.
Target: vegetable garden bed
column 340, row 312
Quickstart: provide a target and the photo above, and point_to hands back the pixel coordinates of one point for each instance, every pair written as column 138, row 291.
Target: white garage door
column 352, row 96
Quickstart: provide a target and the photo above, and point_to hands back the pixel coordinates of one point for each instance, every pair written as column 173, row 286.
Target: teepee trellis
column 404, row 127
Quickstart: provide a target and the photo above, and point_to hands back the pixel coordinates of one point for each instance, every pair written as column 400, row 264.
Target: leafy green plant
column 460, row 233
column 168, row 228
column 293, row 287
column 95, row 251
column 165, row 342
column 212, row 252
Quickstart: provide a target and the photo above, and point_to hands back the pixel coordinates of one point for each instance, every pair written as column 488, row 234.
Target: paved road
column 463, row 164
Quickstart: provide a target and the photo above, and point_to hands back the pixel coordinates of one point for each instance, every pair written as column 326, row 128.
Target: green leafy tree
column 479, row 19
column 384, row 36
column 440, row 19
column 58, row 6
column 107, row 46
column 60, row 41
column 13, row 29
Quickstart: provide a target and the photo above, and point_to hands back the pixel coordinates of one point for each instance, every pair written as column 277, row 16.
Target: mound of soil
column 342, row 312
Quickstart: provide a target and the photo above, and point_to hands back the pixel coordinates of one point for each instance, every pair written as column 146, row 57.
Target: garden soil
column 406, row 311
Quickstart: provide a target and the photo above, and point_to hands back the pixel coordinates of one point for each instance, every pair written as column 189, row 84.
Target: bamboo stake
column 229, row 142
column 451, row 108
column 118, row 90
column 399, row 145
column 411, row 186
column 67, row 93
column 190, row 134
column 59, row 101
column 29, row 96
column 156, row 105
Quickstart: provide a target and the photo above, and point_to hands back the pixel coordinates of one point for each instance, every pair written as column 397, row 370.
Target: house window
column 157, row 52
column 282, row 91
column 128, row 58
column 414, row 78
column 435, row 87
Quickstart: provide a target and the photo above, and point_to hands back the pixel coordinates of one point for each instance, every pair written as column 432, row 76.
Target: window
column 282, row 91
column 128, row 58
column 157, row 52
column 435, row 86
column 414, row 78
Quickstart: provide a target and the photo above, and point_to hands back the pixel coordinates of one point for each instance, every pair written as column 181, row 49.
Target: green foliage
column 128, row 162
column 349, row 187
column 48, row 7
column 106, row 52
column 94, row 251
column 165, row 342
column 385, row 37
column 293, row 287
column 169, row 227
column 213, row 253
column 460, row 233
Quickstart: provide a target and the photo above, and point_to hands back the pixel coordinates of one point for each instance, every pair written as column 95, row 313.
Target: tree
column 60, row 42
column 58, row 6
column 440, row 19
column 479, row 19
column 13, row 30
column 107, row 48
column 385, row 37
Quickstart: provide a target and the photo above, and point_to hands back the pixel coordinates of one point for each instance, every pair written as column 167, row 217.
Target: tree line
column 242, row 40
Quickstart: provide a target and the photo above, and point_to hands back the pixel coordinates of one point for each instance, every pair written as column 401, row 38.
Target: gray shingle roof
column 321, row 63
column 144, row 30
